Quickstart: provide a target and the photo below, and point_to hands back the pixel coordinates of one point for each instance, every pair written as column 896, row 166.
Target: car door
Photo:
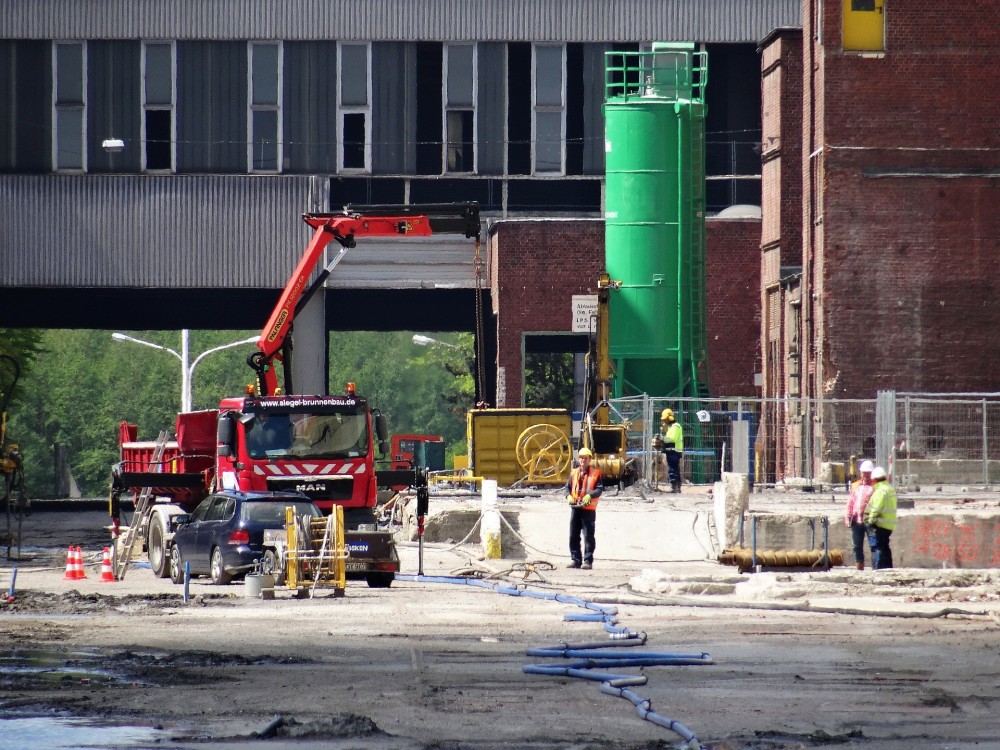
column 205, row 531
column 186, row 535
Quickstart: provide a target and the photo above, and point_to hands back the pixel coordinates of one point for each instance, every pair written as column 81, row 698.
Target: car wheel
column 219, row 574
column 156, row 549
column 380, row 580
column 176, row 565
column 273, row 563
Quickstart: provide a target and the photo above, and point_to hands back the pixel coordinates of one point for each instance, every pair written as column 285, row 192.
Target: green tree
column 82, row 385
column 548, row 380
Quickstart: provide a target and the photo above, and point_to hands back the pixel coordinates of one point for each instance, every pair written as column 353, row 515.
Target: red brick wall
column 537, row 266
column 907, row 265
column 781, row 197
column 781, row 145
column 732, row 286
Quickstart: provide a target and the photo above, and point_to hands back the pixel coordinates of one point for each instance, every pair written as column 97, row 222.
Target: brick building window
column 265, row 107
column 354, row 108
column 158, row 97
column 69, row 82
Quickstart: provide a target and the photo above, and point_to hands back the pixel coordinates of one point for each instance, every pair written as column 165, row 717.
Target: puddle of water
column 51, row 733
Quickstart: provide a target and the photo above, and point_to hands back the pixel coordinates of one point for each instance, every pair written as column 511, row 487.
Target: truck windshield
column 308, row 436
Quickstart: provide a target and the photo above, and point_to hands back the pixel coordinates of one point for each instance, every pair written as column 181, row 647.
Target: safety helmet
column 667, row 415
column 866, row 467
column 586, row 452
column 878, row 473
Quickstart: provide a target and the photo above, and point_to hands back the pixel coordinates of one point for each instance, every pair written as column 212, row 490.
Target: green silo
column 654, row 116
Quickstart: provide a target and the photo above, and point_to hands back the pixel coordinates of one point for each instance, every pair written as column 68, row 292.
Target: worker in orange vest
column 583, row 489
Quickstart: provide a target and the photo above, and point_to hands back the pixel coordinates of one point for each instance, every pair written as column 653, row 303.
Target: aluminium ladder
column 144, row 505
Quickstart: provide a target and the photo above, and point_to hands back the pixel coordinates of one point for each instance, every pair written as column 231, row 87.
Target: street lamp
column 187, row 370
column 428, row 341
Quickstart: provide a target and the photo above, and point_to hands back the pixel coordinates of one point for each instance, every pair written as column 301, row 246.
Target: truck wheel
column 272, row 563
column 219, row 574
column 176, row 566
column 380, row 580
column 156, row 549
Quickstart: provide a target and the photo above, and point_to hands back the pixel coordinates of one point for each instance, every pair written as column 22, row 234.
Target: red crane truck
column 273, row 439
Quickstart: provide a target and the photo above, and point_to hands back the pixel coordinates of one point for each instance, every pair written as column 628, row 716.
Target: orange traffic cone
column 81, row 573
column 107, row 575
column 70, row 565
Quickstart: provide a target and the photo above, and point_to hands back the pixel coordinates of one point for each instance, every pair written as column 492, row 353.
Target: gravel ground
column 838, row 659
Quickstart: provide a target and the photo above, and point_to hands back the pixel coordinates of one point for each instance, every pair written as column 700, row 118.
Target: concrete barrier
column 925, row 540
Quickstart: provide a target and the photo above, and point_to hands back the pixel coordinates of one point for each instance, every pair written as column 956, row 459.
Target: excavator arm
column 274, row 343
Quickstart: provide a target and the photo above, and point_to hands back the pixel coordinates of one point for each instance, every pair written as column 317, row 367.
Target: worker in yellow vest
column 880, row 516
column 670, row 442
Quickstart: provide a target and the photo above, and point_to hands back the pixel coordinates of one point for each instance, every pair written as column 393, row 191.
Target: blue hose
column 593, row 654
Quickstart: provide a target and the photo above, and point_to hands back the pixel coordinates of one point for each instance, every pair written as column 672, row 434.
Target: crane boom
column 346, row 227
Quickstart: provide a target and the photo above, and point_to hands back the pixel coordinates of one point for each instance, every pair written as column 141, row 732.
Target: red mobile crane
column 274, row 438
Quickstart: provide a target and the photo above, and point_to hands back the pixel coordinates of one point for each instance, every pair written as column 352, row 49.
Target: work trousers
column 878, row 539
column 585, row 522
column 859, row 532
column 674, row 466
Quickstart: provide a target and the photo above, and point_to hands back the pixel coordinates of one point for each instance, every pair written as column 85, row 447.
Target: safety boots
column 675, row 487
column 861, row 566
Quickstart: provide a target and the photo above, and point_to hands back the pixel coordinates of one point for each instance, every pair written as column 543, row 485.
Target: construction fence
column 921, row 439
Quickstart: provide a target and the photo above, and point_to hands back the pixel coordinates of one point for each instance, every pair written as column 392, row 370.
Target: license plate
column 355, row 566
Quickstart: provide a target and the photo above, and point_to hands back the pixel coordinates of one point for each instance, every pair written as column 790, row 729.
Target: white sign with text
column 584, row 313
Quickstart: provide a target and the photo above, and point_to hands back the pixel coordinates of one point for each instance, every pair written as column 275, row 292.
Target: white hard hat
column 866, row 467
column 878, row 473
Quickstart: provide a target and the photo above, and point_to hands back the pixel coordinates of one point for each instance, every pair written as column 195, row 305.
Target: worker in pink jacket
column 854, row 517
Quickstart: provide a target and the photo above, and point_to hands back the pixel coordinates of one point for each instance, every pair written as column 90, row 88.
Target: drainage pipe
column 611, row 684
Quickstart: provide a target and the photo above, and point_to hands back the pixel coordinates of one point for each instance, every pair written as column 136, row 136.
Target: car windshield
column 273, row 511
column 308, row 436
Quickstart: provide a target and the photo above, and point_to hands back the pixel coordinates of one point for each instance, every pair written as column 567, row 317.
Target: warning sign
column 584, row 313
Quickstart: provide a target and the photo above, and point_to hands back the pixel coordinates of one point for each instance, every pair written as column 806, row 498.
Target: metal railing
column 921, row 439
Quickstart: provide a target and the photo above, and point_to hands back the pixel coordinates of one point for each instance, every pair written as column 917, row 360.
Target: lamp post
column 187, row 370
column 428, row 341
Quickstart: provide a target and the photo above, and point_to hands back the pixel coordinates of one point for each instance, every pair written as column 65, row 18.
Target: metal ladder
column 143, row 510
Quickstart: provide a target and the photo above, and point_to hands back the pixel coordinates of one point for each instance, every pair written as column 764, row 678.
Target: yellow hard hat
column 586, row 452
column 667, row 415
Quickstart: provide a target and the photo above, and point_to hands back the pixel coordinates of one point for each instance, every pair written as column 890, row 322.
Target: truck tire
column 380, row 580
column 156, row 546
column 219, row 575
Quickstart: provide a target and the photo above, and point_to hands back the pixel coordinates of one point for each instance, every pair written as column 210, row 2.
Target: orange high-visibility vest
column 584, row 485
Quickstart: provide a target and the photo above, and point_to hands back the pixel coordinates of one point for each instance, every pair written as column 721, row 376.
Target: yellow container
column 492, row 438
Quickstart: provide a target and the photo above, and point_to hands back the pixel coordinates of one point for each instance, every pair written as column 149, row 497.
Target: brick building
column 532, row 296
column 890, row 280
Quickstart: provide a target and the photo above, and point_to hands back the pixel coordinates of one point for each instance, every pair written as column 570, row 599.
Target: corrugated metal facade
column 194, row 232
column 404, row 20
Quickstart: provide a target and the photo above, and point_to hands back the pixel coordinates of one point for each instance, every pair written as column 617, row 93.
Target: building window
column 460, row 107
column 158, row 96
column 354, row 108
column 548, row 126
column 264, row 138
column 70, row 84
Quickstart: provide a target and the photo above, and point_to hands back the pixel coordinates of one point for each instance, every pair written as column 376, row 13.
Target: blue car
column 224, row 536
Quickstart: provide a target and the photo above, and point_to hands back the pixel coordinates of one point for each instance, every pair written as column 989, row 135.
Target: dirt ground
column 841, row 658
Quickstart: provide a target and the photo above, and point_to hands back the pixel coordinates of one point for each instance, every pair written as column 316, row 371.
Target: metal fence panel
column 921, row 439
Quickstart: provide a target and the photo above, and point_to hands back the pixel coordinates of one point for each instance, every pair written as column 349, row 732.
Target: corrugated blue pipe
column 593, row 653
